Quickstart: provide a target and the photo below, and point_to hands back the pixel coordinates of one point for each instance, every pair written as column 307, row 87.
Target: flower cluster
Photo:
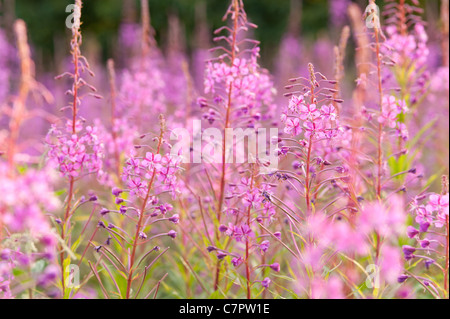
column 25, row 200
column 76, row 154
column 160, row 171
column 430, row 235
column 390, row 110
column 239, row 87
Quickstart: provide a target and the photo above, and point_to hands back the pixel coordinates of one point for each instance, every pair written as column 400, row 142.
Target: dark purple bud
column 93, row 198
column 142, row 235
column 98, row 248
column 402, row 278
column 424, row 243
column 211, row 249
column 412, row 232
column 175, row 219
column 408, row 250
column 277, row 235
column 58, row 221
column 111, row 226
column 264, row 246
column 119, row 201
column 223, row 228
column 104, row 211
column 341, row 170
column 221, row 255
column 236, row 262
column 101, row 224
column 424, row 227
column 172, row 234
column 123, row 210
column 297, row 165
column 266, row 283
column 275, row 267
column 412, row 171
column 116, row 191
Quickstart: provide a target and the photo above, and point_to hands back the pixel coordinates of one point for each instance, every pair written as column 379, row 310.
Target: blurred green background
column 102, row 18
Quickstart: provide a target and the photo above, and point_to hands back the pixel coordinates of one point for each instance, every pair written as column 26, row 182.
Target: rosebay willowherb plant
column 74, row 149
column 340, row 200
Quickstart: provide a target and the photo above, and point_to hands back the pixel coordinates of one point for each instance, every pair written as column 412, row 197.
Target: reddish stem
column 227, row 125
column 139, row 225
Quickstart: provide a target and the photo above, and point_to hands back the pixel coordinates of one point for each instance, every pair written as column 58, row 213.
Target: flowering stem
column 227, row 125
column 139, row 225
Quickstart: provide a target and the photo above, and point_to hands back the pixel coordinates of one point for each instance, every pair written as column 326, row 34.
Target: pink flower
column 309, row 112
column 243, row 233
column 391, row 108
column 296, row 103
column 293, row 126
column 329, row 112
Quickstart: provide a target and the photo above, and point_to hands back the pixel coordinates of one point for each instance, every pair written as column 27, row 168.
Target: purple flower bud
column 223, row 228
column 425, row 243
column 275, row 267
column 175, row 219
column 424, row 227
column 117, row 191
column 297, row 165
column 221, row 255
column 172, row 234
column 277, row 235
column 402, row 278
column 266, row 283
column 408, row 250
column 58, row 221
column 104, row 211
column 123, row 210
column 101, row 224
column 211, row 249
column 98, row 248
column 119, row 201
column 142, row 235
column 341, row 170
column 264, row 246
column 93, row 198
column 237, row 261
column 412, row 232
